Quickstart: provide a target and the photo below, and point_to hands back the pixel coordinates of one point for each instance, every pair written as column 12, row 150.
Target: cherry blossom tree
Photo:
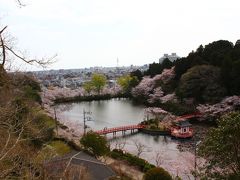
column 155, row 112
column 168, row 97
column 150, row 88
column 166, row 76
column 216, row 110
column 156, row 96
column 144, row 88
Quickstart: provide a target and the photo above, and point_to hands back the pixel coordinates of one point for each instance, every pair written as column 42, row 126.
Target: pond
column 120, row 112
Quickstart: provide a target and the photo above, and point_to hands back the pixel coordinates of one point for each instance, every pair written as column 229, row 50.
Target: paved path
column 96, row 169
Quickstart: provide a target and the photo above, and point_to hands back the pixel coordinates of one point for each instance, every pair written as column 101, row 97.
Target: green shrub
column 219, row 144
column 153, row 126
column 46, row 153
column 44, row 125
column 30, row 81
column 95, row 144
column 157, row 174
column 131, row 159
column 178, row 178
column 60, row 147
column 147, row 167
column 115, row 155
column 162, row 128
column 45, row 120
column 153, row 121
column 33, row 94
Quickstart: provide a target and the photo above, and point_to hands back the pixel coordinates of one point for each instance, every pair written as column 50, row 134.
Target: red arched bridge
column 139, row 126
column 121, row 128
column 189, row 116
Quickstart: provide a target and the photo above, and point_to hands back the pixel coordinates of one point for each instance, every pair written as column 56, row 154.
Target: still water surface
column 107, row 113
column 120, row 112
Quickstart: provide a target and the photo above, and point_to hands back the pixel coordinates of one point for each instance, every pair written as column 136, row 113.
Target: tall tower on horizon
column 117, row 62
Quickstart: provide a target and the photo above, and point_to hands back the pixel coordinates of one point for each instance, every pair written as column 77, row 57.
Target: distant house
column 172, row 57
column 75, row 166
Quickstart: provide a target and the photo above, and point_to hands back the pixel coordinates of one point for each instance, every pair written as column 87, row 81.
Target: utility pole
column 86, row 118
column 195, row 161
column 55, row 118
column 195, row 158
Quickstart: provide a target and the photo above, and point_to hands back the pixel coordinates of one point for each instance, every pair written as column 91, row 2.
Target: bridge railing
column 121, row 128
column 189, row 116
column 139, row 126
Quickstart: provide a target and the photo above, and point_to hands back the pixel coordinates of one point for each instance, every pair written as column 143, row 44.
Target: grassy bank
column 131, row 159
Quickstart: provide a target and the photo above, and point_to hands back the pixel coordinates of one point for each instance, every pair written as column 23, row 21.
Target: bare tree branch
column 3, row 51
column 141, row 148
column 3, row 30
column 41, row 62
column 6, row 144
column 3, row 47
column 20, row 3
column 18, row 126
column 13, row 146
column 120, row 144
column 158, row 158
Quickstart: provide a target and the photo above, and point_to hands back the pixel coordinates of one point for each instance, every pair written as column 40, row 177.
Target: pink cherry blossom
column 155, row 110
column 149, row 88
column 144, row 88
column 169, row 97
column 156, row 96
column 226, row 105
column 166, row 75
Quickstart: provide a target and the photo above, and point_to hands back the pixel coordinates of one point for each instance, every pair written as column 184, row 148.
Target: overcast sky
column 88, row 33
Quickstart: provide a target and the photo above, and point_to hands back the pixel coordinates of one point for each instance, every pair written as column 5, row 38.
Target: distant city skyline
column 97, row 33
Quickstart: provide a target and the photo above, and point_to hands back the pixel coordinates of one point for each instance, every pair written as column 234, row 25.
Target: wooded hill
column 207, row 74
column 26, row 132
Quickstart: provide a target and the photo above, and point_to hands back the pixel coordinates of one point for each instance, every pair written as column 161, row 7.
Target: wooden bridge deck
column 189, row 116
column 121, row 128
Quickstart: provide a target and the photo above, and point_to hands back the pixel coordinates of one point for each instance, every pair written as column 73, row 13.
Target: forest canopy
column 207, row 74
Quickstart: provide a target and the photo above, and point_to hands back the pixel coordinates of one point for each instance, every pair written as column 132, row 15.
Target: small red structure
column 182, row 129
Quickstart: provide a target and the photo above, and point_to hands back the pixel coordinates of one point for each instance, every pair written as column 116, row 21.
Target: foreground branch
column 41, row 62
column 6, row 48
column 20, row 3
column 3, row 47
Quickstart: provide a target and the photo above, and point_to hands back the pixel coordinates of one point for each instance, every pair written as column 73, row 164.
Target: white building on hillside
column 172, row 57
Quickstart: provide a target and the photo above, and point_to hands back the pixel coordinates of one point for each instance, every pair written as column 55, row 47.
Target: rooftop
column 172, row 57
column 184, row 123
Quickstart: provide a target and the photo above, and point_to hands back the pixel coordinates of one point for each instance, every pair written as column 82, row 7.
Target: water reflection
column 108, row 113
column 158, row 149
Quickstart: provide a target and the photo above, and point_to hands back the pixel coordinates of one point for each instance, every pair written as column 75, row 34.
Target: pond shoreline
column 77, row 99
column 121, row 111
column 155, row 132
